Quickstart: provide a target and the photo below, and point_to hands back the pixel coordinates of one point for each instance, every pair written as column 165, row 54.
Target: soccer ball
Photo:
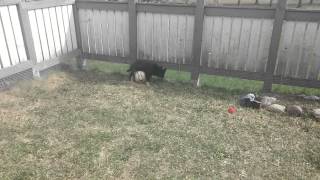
column 140, row 77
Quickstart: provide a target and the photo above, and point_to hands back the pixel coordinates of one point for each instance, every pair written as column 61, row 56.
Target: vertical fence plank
column 48, row 28
column 55, row 30
column 75, row 11
column 35, row 35
column 42, row 34
column 28, row 38
column 4, row 53
column 18, row 32
column 62, row 31
column 66, row 24
column 133, row 29
column 72, row 27
column 126, row 35
column 10, row 36
column 27, row 34
column 274, row 45
column 197, row 41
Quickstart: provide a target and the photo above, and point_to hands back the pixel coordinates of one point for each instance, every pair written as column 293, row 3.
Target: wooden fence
column 274, row 45
column 35, row 36
column 271, row 44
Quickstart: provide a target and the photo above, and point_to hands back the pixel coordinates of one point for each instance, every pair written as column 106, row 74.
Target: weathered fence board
column 166, row 38
column 5, row 58
column 11, row 40
column 62, row 31
column 42, row 34
column 48, row 27
column 105, row 32
column 236, row 43
column 16, row 26
column 53, row 31
column 299, row 51
column 10, row 36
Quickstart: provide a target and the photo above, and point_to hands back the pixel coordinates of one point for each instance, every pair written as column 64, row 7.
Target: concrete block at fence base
column 36, row 73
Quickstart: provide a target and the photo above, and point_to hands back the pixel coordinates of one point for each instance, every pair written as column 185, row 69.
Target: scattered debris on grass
column 250, row 101
column 270, row 104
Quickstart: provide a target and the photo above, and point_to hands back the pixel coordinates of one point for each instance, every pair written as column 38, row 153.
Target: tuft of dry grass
column 96, row 125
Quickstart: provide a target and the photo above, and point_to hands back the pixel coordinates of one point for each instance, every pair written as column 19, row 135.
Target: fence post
column 275, row 43
column 133, row 30
column 27, row 37
column 197, row 42
column 81, row 62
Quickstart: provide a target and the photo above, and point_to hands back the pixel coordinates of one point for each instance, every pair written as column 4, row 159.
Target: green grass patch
column 225, row 84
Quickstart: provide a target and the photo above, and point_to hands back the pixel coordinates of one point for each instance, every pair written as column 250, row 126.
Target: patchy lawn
column 97, row 125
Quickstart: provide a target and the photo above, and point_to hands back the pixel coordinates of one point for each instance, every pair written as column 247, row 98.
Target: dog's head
column 161, row 71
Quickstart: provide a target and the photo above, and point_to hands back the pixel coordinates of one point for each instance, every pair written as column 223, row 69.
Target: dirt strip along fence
column 274, row 44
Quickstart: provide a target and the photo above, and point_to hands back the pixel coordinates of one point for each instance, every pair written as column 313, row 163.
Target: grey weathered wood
column 27, row 34
column 66, row 24
column 77, row 26
column 103, row 5
column 302, row 15
column 214, row 71
column 1, row 65
column 15, row 69
column 72, row 26
column 9, row 2
column 14, row 35
column 166, row 8
column 265, row 13
column 275, row 43
column 6, row 40
column 159, row 16
column 133, row 30
column 197, row 41
column 45, row 4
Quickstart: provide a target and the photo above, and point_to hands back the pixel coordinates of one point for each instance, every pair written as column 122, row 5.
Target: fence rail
column 273, row 44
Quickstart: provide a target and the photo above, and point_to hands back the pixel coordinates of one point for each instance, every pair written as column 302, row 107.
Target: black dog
column 149, row 68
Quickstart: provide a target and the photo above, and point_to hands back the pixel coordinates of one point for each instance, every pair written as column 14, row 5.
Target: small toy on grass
column 250, row 101
column 232, row 110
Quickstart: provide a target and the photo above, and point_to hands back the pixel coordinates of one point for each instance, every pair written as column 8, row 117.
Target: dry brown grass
column 96, row 125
